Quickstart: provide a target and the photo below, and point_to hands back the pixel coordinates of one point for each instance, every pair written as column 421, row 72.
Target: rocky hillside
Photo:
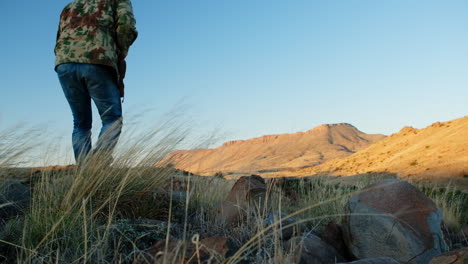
column 439, row 150
column 276, row 152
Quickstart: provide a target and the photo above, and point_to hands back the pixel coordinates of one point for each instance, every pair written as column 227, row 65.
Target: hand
column 122, row 70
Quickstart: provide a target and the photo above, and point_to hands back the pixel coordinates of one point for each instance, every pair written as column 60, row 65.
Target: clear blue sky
column 255, row 67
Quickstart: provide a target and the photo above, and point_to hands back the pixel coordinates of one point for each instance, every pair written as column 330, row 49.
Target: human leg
column 103, row 90
column 79, row 100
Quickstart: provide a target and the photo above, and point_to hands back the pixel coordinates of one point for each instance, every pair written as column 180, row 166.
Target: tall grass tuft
column 73, row 210
column 452, row 202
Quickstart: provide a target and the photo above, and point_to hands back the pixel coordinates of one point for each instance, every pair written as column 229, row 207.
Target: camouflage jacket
column 95, row 32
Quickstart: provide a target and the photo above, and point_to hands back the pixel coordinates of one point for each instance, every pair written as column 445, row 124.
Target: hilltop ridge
column 276, row 152
column 437, row 151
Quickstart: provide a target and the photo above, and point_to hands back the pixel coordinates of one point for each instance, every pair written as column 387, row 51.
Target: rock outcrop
column 247, row 191
column 392, row 218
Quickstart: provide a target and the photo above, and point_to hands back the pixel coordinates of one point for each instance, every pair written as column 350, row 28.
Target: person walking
column 93, row 40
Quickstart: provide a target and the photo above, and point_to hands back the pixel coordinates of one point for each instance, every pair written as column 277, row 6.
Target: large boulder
column 392, row 218
column 311, row 249
column 459, row 256
column 248, row 191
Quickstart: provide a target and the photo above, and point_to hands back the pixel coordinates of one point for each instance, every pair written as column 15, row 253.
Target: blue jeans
column 80, row 84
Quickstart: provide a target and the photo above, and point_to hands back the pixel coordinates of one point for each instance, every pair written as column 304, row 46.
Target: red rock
column 247, row 191
column 394, row 219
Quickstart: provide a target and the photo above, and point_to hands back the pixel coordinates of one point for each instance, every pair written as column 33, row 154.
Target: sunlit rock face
column 392, row 218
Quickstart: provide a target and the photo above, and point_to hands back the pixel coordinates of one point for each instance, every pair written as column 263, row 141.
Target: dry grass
column 72, row 211
column 453, row 203
column 81, row 215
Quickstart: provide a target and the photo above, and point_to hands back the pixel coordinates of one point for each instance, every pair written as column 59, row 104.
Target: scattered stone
column 384, row 260
column 247, row 191
column 287, row 225
column 459, row 256
column 394, row 219
column 333, row 235
column 313, row 250
column 14, row 198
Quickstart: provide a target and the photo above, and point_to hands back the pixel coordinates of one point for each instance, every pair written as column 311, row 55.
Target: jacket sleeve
column 126, row 32
column 59, row 29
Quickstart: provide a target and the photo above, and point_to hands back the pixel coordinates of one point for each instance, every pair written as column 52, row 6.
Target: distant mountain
column 437, row 151
column 276, row 152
